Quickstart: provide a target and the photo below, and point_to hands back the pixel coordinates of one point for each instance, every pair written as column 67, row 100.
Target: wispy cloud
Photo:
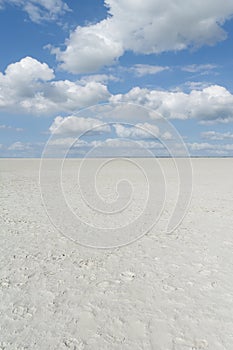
column 19, row 146
column 141, row 70
column 10, row 128
column 199, row 68
column 39, row 10
column 99, row 78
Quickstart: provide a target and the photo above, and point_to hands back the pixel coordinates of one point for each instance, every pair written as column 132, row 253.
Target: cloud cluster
column 141, row 131
column 211, row 148
column 217, row 136
column 109, row 143
column 211, row 104
column 39, row 10
column 28, row 85
column 73, row 125
column 74, row 131
column 144, row 27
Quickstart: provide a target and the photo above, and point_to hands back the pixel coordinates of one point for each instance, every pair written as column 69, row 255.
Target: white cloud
column 29, row 70
column 213, row 148
column 73, row 125
column 108, row 147
column 66, row 141
column 144, row 27
column 11, row 128
column 200, row 146
column 197, row 68
column 139, row 131
column 197, row 85
column 214, row 135
column 145, row 69
column 100, row 78
column 39, row 10
column 213, row 103
column 27, row 85
column 127, row 144
column 89, row 48
column 19, row 146
column 167, row 135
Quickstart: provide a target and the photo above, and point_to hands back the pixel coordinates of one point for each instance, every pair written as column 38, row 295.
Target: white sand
column 163, row 292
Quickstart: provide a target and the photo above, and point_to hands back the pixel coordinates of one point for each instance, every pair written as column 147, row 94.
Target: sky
column 114, row 74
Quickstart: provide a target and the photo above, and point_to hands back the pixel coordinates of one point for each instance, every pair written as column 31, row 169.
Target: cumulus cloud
column 29, row 70
column 28, row 85
column 73, row 125
column 211, row 104
column 39, row 10
column 89, row 48
column 139, row 131
column 144, row 27
column 214, row 135
column 139, row 139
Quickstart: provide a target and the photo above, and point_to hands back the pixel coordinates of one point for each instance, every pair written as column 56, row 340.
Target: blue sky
column 58, row 57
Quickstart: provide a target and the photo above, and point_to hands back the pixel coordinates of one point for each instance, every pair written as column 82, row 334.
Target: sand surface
column 162, row 292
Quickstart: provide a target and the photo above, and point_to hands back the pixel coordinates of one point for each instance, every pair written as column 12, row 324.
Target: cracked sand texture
column 163, row 292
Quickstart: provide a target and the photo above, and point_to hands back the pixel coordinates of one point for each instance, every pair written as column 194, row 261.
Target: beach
column 156, row 291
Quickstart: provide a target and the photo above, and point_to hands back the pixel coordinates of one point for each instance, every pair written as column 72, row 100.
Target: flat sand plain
column 162, row 292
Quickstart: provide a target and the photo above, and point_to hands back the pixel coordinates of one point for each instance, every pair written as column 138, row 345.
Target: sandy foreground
column 163, row 291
